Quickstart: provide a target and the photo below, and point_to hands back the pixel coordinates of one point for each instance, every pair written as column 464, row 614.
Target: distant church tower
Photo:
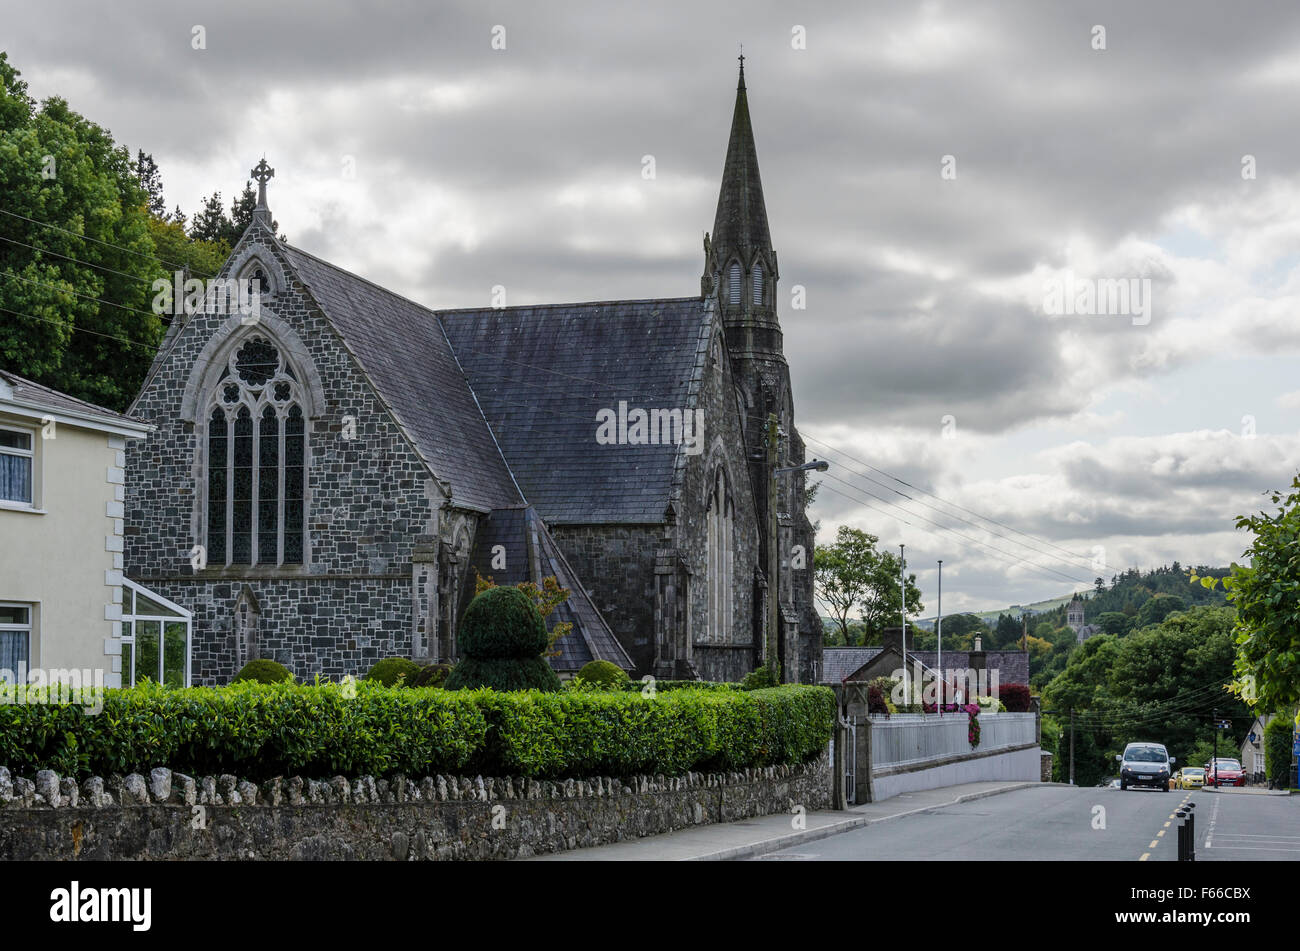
column 741, row 273
column 1074, row 614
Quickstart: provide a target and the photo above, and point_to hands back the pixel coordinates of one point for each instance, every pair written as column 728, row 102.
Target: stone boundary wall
column 169, row 815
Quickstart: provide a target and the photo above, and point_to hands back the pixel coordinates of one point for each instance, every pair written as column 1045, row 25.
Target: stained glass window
column 256, row 479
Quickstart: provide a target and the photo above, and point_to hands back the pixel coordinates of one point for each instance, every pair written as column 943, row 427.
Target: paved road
column 1055, row 823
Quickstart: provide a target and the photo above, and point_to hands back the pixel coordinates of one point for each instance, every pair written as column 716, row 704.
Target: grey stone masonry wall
column 370, row 501
column 616, row 563
column 168, row 815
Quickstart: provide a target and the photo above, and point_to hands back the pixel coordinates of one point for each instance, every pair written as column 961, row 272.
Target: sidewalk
column 747, row 838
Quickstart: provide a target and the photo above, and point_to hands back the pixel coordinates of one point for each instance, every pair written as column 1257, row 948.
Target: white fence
column 914, row 739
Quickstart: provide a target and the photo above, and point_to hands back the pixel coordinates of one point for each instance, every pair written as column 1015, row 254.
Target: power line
column 102, row 267
column 64, row 290
column 107, row 244
column 935, row 508
column 934, row 496
column 82, row 330
column 1030, row 564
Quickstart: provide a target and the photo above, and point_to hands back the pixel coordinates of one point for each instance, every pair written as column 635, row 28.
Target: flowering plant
column 972, row 710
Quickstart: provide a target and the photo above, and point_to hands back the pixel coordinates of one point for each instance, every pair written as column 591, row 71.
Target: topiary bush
column 263, row 672
column 607, row 675
column 502, row 636
column 394, row 671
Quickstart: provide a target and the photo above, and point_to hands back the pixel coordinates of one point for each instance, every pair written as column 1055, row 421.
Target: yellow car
column 1189, row 777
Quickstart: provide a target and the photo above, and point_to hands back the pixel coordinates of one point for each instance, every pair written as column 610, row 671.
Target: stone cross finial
column 262, row 173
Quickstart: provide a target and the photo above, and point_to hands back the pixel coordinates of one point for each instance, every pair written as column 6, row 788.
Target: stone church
column 328, row 476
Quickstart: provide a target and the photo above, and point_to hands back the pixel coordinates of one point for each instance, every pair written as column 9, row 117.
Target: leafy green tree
column 1266, row 595
column 852, row 573
column 1157, row 609
column 1167, row 680
column 75, row 302
column 1114, row 622
column 1006, row 633
column 1083, row 682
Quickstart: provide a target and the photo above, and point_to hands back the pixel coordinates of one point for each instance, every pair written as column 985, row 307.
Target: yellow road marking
column 1154, row 843
column 1160, row 833
column 1167, row 824
column 1145, row 856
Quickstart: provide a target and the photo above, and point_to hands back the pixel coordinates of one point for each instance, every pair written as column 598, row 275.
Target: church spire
column 740, row 225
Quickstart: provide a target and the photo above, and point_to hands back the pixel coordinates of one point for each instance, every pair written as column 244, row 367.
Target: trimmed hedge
column 662, row 685
column 254, row 730
column 260, row 731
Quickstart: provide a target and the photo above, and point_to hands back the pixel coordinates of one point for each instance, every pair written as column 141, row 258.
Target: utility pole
column 1071, row 746
column 939, row 633
column 902, row 590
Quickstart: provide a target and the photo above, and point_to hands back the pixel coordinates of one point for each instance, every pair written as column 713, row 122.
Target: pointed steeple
column 740, row 224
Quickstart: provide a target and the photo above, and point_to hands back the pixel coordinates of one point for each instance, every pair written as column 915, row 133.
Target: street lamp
column 771, row 641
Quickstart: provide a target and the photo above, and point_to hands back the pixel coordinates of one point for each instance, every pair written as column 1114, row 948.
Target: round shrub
column 263, row 672
column 502, row 636
column 392, row 669
column 431, row 675
column 604, row 673
column 502, row 622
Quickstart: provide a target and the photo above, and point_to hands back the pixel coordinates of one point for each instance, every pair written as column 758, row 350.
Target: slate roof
column 541, row 374
column 402, row 349
column 27, row 391
column 530, row 555
column 839, row 662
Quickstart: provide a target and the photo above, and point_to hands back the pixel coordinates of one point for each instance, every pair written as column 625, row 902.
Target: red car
column 1224, row 772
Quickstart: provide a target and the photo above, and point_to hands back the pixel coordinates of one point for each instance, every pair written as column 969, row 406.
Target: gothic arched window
column 720, row 557
column 734, row 282
column 758, row 284
column 257, row 459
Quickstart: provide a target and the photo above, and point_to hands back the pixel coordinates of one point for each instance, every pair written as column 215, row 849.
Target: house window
column 734, row 284
column 257, row 461
column 720, row 557
column 17, row 456
column 155, row 638
column 15, row 638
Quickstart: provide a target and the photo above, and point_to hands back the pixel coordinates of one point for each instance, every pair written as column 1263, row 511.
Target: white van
column 1145, row 764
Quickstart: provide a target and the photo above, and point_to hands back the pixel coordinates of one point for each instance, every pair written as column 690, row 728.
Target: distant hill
column 1126, row 593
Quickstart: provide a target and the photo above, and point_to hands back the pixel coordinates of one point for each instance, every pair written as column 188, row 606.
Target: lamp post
column 771, row 641
column 902, row 610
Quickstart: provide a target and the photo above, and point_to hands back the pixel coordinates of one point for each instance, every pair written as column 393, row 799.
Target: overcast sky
column 411, row 151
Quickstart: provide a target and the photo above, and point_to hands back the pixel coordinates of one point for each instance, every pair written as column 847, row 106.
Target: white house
column 1252, row 751
column 64, row 604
